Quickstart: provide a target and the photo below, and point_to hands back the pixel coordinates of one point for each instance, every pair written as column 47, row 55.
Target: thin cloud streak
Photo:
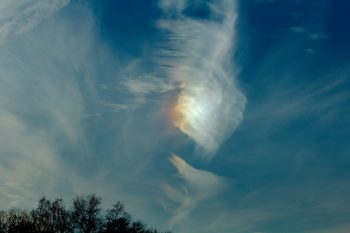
column 199, row 185
column 17, row 17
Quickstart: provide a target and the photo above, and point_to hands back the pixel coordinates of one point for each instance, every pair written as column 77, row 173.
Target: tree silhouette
column 50, row 216
column 117, row 220
column 19, row 221
column 84, row 216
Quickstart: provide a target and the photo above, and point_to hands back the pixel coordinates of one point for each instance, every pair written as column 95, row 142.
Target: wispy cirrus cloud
column 198, row 57
column 65, row 131
column 304, row 99
column 209, row 106
column 42, row 101
column 297, row 29
column 17, row 17
column 199, row 186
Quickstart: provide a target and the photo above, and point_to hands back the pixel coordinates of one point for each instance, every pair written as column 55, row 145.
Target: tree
column 85, row 213
column 19, row 221
column 60, row 216
column 3, row 221
column 41, row 216
column 85, row 216
column 117, row 220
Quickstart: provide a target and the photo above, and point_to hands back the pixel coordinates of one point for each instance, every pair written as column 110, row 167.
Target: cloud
column 74, row 119
column 303, row 99
column 318, row 36
column 60, row 134
column 264, row 1
column 199, row 185
column 297, row 29
column 198, row 57
column 21, row 16
column 10, row 121
column 147, row 84
column 42, row 101
column 338, row 229
column 310, row 51
column 170, row 5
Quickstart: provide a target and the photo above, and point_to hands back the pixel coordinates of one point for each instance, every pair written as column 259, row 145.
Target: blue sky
column 200, row 116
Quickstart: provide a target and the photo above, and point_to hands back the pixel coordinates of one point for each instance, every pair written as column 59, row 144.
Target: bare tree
column 85, row 216
column 85, row 213
column 117, row 219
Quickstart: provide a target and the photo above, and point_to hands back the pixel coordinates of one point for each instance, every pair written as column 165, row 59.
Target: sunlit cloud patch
column 198, row 56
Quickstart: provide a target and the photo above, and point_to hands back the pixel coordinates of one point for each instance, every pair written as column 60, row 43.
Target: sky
column 227, row 116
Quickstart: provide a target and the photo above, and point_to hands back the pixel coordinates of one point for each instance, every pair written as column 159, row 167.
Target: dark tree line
column 84, row 216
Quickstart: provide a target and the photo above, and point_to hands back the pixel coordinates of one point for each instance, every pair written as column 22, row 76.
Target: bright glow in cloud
column 199, row 57
column 209, row 105
column 79, row 115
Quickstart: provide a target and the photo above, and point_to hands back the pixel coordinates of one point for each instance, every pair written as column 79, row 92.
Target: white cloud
column 199, row 59
column 199, row 185
column 147, row 84
column 50, row 73
column 17, row 17
column 41, row 103
column 170, row 5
